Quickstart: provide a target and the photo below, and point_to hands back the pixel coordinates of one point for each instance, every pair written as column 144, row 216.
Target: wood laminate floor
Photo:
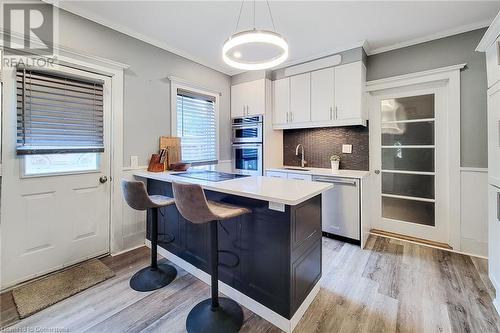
column 392, row 286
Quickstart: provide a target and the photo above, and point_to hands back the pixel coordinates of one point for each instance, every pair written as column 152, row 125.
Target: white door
column 255, row 97
column 408, row 131
column 300, row 98
column 281, row 101
column 55, row 210
column 349, row 91
column 322, row 94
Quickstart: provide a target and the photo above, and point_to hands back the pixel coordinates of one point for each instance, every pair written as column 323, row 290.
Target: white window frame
column 175, row 84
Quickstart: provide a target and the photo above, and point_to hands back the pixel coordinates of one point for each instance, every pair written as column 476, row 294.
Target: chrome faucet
column 303, row 162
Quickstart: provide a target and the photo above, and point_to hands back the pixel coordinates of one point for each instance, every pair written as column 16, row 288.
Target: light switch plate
column 134, row 161
column 347, row 149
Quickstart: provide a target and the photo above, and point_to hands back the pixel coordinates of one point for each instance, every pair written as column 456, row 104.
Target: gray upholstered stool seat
column 157, row 275
column 212, row 315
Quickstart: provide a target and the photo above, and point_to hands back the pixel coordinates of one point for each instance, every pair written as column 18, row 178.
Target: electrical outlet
column 134, row 161
column 347, row 149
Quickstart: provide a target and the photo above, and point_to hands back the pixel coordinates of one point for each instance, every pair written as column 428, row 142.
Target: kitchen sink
column 297, row 169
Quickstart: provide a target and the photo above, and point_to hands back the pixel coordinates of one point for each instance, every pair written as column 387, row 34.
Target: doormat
column 37, row 295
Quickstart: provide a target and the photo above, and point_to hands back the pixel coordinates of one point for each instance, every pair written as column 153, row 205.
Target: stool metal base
column 148, row 279
column 227, row 318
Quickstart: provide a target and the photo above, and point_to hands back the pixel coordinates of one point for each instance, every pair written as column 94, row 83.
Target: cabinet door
column 281, row 101
column 348, row 91
column 493, row 63
column 276, row 174
column 255, row 97
column 238, row 107
column 494, row 133
column 322, row 94
column 299, row 176
column 300, row 98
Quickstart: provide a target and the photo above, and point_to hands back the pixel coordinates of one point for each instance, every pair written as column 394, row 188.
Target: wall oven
column 247, row 130
column 247, row 158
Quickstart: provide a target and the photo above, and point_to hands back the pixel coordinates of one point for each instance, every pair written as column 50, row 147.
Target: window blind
column 196, row 126
column 58, row 114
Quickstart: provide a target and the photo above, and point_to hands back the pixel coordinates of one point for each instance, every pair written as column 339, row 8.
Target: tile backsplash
column 320, row 143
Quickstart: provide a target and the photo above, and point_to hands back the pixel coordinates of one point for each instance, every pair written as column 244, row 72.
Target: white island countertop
column 284, row 191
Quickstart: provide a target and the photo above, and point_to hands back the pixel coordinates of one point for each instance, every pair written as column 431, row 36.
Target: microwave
column 247, row 130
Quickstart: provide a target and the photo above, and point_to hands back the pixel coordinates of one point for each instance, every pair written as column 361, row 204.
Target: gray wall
column 444, row 52
column 146, row 87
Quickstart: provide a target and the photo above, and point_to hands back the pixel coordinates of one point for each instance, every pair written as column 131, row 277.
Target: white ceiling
column 197, row 29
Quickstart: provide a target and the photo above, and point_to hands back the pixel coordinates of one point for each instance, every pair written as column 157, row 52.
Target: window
column 195, row 123
column 60, row 125
column 58, row 114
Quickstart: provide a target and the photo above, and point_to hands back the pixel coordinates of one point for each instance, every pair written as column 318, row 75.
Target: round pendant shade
column 255, row 50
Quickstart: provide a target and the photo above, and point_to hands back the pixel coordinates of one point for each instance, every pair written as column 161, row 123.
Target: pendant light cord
column 239, row 16
column 270, row 15
column 241, row 10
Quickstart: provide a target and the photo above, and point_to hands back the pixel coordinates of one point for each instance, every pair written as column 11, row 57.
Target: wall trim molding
column 490, row 36
column 274, row 318
column 411, row 78
column 184, row 82
column 438, row 35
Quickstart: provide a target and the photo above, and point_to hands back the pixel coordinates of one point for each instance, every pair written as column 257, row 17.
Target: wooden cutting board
column 173, row 146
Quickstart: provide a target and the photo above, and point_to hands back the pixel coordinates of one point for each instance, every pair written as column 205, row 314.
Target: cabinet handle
column 335, row 109
column 498, row 206
column 291, row 116
column 248, row 112
column 331, row 113
column 287, row 117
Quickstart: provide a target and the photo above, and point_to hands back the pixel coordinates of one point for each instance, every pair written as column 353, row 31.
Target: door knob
column 377, row 172
column 103, row 179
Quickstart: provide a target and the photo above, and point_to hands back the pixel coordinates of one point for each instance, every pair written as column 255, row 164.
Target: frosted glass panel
column 408, row 108
column 421, row 133
column 419, row 212
column 60, row 163
column 408, row 159
column 408, row 185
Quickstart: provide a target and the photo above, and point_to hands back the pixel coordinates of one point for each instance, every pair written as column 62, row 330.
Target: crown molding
column 431, row 37
column 491, row 35
column 67, row 6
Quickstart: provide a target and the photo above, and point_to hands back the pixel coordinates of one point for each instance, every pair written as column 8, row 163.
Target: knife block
column 155, row 165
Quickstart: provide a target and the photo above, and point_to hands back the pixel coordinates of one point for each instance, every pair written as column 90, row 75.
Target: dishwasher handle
column 335, row 181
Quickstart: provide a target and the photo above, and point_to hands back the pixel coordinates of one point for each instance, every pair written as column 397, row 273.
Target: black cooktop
column 211, row 176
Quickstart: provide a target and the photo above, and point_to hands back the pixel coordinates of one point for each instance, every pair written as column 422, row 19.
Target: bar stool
column 157, row 275
column 211, row 315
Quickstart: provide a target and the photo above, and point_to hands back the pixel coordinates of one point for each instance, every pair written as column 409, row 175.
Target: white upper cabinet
column 322, row 94
column 281, row 101
column 332, row 96
column 248, row 99
column 300, row 98
column 493, row 63
column 349, row 87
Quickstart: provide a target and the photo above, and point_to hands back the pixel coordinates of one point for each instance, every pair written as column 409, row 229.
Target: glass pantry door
column 410, row 147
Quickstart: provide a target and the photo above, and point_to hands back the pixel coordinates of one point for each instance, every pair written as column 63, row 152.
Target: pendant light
column 255, row 49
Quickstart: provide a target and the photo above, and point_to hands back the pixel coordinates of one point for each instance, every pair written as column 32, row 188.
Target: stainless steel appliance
column 247, row 130
column 340, row 207
column 247, row 147
column 247, row 158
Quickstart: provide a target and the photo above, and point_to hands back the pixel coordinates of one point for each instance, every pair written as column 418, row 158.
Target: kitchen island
column 270, row 260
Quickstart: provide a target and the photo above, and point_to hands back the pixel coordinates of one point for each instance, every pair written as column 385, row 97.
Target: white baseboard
column 277, row 320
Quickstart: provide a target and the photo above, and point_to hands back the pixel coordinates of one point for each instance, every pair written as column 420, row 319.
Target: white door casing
column 439, row 232
column 49, row 222
column 445, row 84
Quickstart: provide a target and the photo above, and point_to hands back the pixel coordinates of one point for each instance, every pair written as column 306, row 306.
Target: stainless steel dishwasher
column 341, row 207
